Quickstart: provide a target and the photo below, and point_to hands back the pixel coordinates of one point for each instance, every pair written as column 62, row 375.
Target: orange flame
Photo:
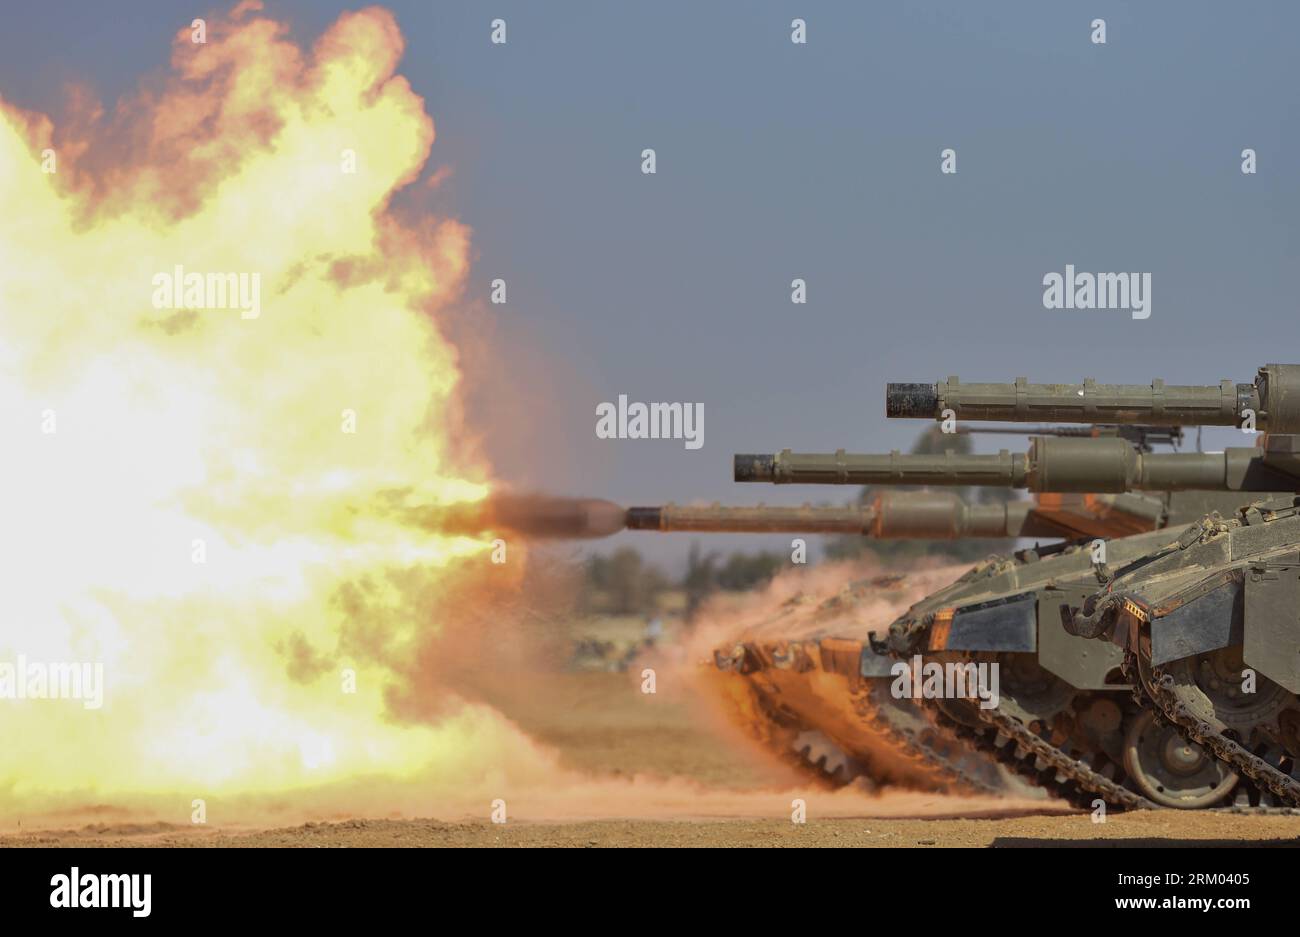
column 187, row 491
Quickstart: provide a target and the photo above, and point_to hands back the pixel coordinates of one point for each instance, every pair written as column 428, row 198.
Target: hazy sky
column 818, row 161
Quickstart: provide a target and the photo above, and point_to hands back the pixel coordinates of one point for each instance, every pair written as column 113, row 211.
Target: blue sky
column 818, row 161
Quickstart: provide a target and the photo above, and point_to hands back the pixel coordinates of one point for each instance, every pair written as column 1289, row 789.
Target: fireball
column 194, row 478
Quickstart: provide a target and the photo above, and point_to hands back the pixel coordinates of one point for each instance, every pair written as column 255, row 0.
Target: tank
column 1207, row 624
column 1064, row 719
column 817, row 687
column 1205, row 621
column 1199, row 620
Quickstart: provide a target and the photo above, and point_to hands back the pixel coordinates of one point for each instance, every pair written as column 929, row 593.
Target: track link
column 1037, row 760
column 917, row 746
column 1159, row 686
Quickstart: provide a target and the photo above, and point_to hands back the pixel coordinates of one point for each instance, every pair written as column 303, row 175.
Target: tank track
column 917, row 747
column 932, row 766
column 1036, row 760
column 928, row 760
column 785, row 737
column 814, row 753
column 1246, row 786
column 1245, row 762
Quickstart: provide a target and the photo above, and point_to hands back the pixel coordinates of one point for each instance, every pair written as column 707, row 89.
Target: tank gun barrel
column 1274, row 399
column 1005, row 470
column 715, row 518
column 1053, row 464
column 889, row 515
column 930, row 515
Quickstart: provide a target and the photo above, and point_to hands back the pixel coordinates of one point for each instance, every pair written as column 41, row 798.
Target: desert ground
column 601, row 729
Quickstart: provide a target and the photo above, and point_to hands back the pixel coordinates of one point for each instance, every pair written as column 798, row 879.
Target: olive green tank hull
column 1201, row 620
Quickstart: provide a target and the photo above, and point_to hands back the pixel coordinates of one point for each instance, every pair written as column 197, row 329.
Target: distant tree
column 700, row 579
column 626, row 580
column 746, row 570
column 706, row 574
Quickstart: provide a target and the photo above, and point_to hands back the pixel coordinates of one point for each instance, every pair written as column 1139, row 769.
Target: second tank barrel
column 840, row 468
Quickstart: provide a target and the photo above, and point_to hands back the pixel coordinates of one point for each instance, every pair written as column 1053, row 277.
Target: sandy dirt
column 1166, row 828
column 1149, row 829
column 601, row 729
